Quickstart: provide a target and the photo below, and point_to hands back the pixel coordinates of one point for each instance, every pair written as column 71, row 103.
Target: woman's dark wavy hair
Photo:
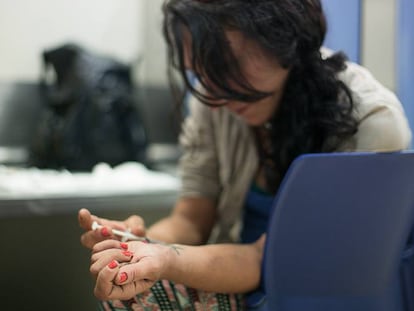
column 315, row 112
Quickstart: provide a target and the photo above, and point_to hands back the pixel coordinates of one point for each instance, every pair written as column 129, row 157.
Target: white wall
column 154, row 65
column 27, row 27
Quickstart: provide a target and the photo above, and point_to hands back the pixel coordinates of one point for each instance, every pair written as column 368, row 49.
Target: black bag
column 90, row 115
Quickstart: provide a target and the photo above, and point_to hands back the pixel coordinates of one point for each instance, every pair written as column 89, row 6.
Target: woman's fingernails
column 127, row 253
column 113, row 264
column 105, row 232
column 124, row 246
column 123, row 277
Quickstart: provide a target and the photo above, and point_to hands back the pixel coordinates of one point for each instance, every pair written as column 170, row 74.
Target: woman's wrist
column 173, row 261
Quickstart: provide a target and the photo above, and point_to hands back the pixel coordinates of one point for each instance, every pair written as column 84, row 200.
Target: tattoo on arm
column 176, row 248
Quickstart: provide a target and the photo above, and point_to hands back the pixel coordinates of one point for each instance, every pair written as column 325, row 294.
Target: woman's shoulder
column 383, row 125
column 369, row 95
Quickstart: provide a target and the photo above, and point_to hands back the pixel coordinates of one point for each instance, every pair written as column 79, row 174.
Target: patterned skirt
column 167, row 296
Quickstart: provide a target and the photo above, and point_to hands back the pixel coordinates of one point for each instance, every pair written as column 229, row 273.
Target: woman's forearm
column 174, row 230
column 190, row 223
column 227, row 268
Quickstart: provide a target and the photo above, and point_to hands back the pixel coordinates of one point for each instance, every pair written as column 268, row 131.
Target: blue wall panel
column 405, row 57
column 344, row 26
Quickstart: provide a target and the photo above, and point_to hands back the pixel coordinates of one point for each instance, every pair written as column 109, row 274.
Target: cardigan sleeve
column 383, row 125
column 198, row 165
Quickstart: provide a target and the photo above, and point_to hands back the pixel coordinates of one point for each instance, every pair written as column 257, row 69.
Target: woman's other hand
column 134, row 224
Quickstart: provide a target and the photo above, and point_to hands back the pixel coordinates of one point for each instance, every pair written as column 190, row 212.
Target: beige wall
column 378, row 39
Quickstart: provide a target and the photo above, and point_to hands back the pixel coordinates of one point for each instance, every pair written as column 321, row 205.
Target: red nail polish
column 127, row 253
column 113, row 264
column 124, row 246
column 123, row 277
column 105, row 232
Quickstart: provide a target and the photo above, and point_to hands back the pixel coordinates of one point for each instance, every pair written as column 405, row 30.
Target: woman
column 266, row 92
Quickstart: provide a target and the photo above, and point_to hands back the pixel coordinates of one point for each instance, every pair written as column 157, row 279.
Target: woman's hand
column 135, row 224
column 123, row 270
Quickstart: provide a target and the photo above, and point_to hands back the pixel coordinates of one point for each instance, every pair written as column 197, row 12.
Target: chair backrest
column 338, row 229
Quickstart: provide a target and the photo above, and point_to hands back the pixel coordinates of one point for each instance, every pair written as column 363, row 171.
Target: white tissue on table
column 126, row 178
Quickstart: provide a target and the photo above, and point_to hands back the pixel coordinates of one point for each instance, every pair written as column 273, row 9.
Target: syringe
column 125, row 235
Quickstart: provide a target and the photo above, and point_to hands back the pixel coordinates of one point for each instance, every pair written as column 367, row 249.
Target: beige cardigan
column 219, row 155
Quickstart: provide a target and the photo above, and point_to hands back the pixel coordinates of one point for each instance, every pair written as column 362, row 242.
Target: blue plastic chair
column 337, row 237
